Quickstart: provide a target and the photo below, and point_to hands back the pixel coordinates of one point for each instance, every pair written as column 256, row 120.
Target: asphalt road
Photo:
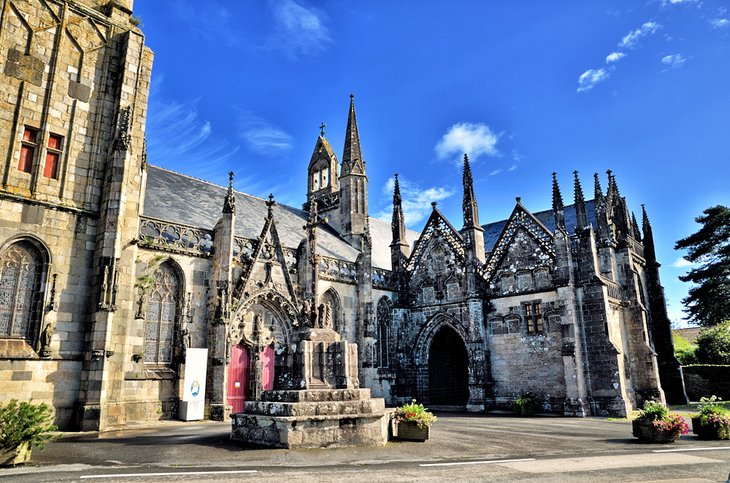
column 462, row 447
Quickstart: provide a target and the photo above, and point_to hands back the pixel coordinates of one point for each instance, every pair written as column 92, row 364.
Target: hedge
column 707, row 380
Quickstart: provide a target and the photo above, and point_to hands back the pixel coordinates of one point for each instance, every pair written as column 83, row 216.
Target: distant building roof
column 689, row 333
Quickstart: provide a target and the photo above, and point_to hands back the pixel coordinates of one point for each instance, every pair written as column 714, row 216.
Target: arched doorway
column 239, row 374
column 448, row 373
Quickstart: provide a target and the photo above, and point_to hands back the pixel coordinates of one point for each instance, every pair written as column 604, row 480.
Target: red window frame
column 27, row 149
column 53, row 156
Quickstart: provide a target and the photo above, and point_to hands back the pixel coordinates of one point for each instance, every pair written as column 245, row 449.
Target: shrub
column 527, row 404
column 713, row 344
column 684, row 350
column 25, row 422
column 415, row 412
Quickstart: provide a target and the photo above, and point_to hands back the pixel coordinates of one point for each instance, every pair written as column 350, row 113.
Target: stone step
column 316, row 395
column 324, row 408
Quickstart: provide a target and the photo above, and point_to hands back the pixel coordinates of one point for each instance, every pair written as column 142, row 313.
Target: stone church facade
column 108, row 273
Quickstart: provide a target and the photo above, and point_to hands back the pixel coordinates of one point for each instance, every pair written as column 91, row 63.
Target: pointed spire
column 399, row 249
column 597, row 193
column 469, row 205
column 352, row 161
column 648, row 240
column 612, row 190
column 229, row 204
column 558, row 206
column 580, row 203
column 635, row 227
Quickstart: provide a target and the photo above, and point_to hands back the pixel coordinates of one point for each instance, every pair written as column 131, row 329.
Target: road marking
column 679, row 450
column 177, row 473
column 488, row 462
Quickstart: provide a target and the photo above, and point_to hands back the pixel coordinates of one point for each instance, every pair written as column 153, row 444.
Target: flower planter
column 409, row 431
column 18, row 456
column 646, row 432
column 709, row 431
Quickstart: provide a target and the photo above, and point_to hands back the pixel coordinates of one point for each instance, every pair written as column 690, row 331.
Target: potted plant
column 527, row 404
column 713, row 421
column 23, row 426
column 413, row 422
column 655, row 425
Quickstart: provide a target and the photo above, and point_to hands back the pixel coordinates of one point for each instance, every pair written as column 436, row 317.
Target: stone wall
column 707, row 380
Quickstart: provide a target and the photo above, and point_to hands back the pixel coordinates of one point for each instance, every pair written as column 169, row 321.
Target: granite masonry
column 108, row 273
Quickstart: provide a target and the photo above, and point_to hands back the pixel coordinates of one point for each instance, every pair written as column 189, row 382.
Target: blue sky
column 526, row 88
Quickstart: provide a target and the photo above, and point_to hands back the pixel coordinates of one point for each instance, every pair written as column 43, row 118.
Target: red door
column 238, row 377
column 267, row 377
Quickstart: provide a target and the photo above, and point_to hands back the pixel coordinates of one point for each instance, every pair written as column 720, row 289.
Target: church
column 112, row 268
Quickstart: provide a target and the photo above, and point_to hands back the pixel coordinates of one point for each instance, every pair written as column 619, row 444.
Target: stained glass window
column 384, row 318
column 20, row 276
column 162, row 308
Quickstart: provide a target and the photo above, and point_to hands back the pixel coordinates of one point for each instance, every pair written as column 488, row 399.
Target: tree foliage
column 708, row 301
column 684, row 350
column 713, row 345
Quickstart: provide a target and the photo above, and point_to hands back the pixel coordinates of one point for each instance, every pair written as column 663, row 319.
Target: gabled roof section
column 322, row 149
column 178, row 198
column 520, row 218
column 493, row 230
column 436, row 226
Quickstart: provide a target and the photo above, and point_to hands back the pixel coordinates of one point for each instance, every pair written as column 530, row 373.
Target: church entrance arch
column 448, row 369
column 255, row 337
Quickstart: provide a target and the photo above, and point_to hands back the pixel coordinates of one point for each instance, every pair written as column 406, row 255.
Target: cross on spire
column 270, row 205
column 321, row 129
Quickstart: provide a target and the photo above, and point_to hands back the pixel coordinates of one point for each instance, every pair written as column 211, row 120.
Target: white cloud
column 719, row 23
column 590, row 78
column 512, row 168
column 262, row 136
column 681, row 262
column 416, row 200
column 676, row 2
column 614, row 57
column 674, row 60
column 631, row 39
column 300, row 30
column 474, row 139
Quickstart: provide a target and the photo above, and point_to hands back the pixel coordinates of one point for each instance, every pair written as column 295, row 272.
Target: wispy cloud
column 416, row 200
column 674, row 61
column 590, row 78
column 681, row 262
column 475, row 139
column 719, row 23
column 631, row 39
column 300, row 30
column 677, row 2
column 614, row 57
column 262, row 136
column 214, row 26
column 512, row 168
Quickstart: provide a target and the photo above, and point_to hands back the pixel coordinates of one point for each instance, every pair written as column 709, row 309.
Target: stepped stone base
column 314, row 418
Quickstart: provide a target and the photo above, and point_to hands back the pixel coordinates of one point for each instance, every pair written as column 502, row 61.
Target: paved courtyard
column 462, row 447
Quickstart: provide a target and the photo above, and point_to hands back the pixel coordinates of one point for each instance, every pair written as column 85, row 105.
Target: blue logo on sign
column 195, row 388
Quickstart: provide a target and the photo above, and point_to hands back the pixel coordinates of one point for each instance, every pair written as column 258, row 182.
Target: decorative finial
column 433, row 205
column 352, row 96
column 229, row 204
column 518, row 199
column 270, row 205
column 321, row 129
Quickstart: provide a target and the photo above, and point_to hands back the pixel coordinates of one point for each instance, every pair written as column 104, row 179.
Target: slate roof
column 382, row 236
column 178, row 198
column 493, row 230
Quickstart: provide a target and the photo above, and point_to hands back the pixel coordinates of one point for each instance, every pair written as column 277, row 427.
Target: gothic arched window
column 161, row 316
column 384, row 319
column 21, row 274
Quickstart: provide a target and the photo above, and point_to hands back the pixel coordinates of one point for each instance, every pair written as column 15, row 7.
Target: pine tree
column 708, row 302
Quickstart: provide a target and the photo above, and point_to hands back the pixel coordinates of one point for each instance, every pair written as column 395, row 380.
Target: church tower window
column 533, row 316
column 53, row 156
column 161, row 316
column 21, row 274
column 27, row 149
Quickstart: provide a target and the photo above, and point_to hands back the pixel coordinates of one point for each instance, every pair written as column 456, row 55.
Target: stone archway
column 448, row 369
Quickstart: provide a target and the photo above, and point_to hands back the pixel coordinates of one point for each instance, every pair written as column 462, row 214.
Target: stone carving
column 175, row 237
column 45, row 340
